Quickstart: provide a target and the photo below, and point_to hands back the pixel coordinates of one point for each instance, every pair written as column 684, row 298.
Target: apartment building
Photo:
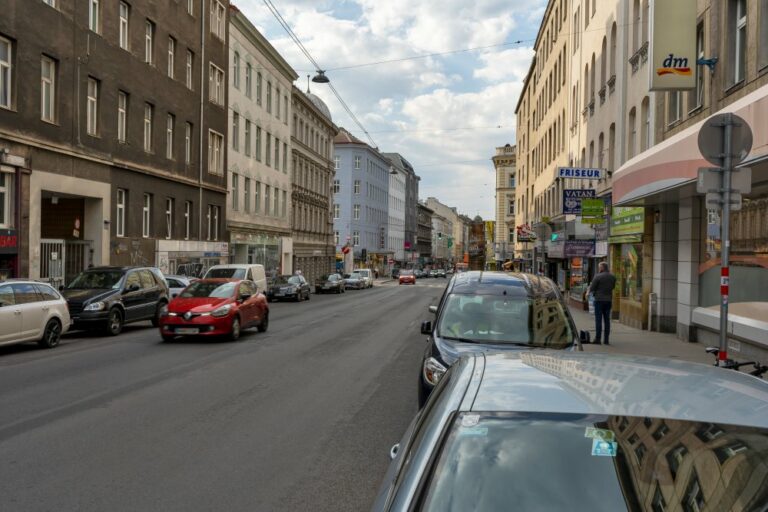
column 448, row 232
column 424, row 235
column 504, row 161
column 411, row 201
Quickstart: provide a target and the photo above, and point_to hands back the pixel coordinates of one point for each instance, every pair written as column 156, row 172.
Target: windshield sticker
column 474, row 431
column 470, row 420
column 603, row 448
column 599, row 434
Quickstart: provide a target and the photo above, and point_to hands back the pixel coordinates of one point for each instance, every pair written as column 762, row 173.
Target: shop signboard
column 627, row 221
column 524, row 233
column 572, row 200
column 579, row 248
column 581, row 173
column 673, row 45
column 9, row 241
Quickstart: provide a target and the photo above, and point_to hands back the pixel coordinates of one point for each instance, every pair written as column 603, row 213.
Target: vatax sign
column 673, row 45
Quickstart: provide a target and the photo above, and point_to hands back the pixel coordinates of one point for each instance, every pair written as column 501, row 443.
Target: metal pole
column 725, row 238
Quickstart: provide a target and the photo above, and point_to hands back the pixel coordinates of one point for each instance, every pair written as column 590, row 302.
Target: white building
column 396, row 215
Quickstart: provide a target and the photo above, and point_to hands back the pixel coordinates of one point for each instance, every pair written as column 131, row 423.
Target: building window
column 247, row 195
column 187, row 219
column 356, row 212
column 168, row 218
column 693, row 499
column 94, row 15
column 247, row 134
column 762, row 40
column 632, row 136
column 336, row 211
column 190, row 63
column 511, row 207
column 276, row 206
column 236, row 70
column 48, row 89
column 187, row 143
column 696, row 96
column 277, row 101
column 148, row 115
column 356, row 187
column 511, row 183
column 92, row 107
column 122, row 115
column 645, row 129
column 674, row 107
column 738, row 36
column 269, row 97
column 236, row 131
column 213, row 222
column 171, row 57
column 248, row 79
column 191, row 7
column 357, row 162
column 511, row 235
column 355, row 238
column 149, row 43
column 277, row 153
column 285, row 109
column 337, row 186
column 146, row 215
column 120, row 221
column 285, row 204
column 5, row 72
column 258, row 88
column 170, row 125
column 125, row 11
column 216, row 85
column 217, row 19
column 267, row 204
column 235, row 192
column 336, row 238
column 258, row 143
column 257, row 197
column 285, row 158
column 215, row 153
column 336, row 162
column 268, row 151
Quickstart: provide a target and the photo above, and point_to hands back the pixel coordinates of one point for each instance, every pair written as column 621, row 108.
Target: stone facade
column 504, row 161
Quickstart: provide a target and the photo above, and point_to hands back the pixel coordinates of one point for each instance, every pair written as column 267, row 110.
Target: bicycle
column 758, row 369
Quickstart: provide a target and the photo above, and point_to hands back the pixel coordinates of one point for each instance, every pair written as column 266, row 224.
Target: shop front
column 9, row 254
column 261, row 248
column 186, row 257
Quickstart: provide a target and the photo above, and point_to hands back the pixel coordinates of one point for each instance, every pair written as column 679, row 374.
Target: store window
column 632, row 271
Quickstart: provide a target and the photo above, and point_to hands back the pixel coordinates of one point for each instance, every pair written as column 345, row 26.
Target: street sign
column 709, row 180
column 712, row 137
column 572, row 200
column 582, row 173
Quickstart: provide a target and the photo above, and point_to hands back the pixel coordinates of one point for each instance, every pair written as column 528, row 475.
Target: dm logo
column 674, row 65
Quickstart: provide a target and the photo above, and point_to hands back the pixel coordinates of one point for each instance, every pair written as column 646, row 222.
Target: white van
column 367, row 275
column 253, row 272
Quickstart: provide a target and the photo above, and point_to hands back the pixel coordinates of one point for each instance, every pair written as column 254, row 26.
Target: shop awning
column 673, row 163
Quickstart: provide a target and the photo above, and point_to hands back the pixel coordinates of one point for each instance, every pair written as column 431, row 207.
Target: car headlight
column 433, row 370
column 164, row 310
column 221, row 311
column 95, row 306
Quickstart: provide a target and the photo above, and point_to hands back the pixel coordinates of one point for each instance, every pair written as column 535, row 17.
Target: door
column 10, row 316
column 133, row 296
column 32, row 314
column 248, row 307
column 52, row 261
column 151, row 293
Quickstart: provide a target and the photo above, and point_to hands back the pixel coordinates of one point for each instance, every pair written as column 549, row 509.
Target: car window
column 173, row 283
column 209, row 289
column 147, row 281
column 132, row 279
column 46, row 292
column 226, row 273
column 244, row 289
column 97, row 279
column 6, row 296
column 253, row 289
column 25, row 293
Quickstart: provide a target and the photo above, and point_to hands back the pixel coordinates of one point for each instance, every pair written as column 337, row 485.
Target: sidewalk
column 627, row 340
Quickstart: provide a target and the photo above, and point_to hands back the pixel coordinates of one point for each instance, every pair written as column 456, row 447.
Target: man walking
column 602, row 288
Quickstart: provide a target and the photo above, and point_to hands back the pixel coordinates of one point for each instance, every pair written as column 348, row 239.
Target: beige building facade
column 504, row 161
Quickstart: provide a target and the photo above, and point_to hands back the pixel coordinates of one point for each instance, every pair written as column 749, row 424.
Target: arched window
column 586, row 84
column 611, row 147
column 631, row 133
column 601, row 151
column 592, row 79
column 644, row 36
column 603, row 61
column 635, row 25
column 613, row 49
column 645, row 118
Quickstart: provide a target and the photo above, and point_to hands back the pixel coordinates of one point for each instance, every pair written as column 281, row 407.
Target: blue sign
column 572, row 200
column 582, row 173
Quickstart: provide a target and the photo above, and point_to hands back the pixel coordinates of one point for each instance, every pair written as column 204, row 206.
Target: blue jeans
column 602, row 315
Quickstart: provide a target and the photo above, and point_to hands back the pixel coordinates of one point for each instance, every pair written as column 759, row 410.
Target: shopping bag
column 591, row 300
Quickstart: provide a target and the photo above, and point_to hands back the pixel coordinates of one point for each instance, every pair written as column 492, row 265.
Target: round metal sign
column 712, row 139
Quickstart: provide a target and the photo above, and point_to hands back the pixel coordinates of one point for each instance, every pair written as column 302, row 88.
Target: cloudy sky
column 445, row 114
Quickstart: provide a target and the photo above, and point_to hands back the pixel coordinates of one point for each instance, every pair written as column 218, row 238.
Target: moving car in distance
column 294, row 288
column 251, row 271
column 407, row 277
column 354, row 281
column 554, row 430
column 176, row 284
column 330, row 283
column 367, row 275
column 490, row 311
column 32, row 311
column 215, row 307
column 110, row 297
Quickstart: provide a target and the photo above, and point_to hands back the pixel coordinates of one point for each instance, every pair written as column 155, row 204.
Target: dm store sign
column 572, row 200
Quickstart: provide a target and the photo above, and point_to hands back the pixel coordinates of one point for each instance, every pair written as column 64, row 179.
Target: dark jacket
column 602, row 286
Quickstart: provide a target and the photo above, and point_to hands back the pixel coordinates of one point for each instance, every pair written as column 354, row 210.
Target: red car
column 407, row 277
column 215, row 307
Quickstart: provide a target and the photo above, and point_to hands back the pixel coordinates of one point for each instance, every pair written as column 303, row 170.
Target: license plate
column 326, row 287
column 279, row 294
column 187, row 330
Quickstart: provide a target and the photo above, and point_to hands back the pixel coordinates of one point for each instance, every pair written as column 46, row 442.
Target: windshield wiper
column 456, row 338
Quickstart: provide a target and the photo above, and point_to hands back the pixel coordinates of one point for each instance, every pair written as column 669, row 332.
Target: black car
column 490, row 311
column 330, row 283
column 110, row 297
column 289, row 287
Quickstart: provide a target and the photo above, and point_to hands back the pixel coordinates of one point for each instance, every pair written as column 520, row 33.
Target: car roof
column 481, row 282
column 113, row 268
column 218, row 280
column 20, row 280
column 589, row 383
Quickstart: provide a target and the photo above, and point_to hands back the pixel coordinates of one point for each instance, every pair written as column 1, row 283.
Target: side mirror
column 393, row 451
column 433, row 309
column 584, row 337
column 174, row 295
column 133, row 288
column 426, row 327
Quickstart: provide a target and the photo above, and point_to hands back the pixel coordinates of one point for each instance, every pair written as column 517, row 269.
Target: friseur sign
column 572, row 200
column 582, row 173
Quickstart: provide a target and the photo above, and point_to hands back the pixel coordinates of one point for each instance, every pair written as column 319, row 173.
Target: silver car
column 32, row 311
column 553, row 430
column 176, row 284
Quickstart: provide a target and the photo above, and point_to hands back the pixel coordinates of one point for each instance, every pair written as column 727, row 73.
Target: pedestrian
column 602, row 288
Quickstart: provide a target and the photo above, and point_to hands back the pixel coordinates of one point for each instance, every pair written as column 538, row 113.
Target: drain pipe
column 202, row 131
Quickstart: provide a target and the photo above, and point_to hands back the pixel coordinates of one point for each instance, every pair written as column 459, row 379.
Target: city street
column 299, row 418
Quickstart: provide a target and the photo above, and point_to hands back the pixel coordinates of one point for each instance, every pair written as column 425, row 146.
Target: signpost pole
column 725, row 235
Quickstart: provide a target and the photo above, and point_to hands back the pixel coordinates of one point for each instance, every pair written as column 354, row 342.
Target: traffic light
column 364, row 254
column 554, row 237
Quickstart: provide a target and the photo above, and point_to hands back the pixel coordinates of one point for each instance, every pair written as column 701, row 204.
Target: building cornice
column 245, row 27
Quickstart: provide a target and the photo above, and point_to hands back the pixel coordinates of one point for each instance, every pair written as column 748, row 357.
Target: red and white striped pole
column 724, row 284
column 725, row 234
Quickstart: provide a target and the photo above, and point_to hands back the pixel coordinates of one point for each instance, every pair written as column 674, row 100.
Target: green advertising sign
column 592, row 207
column 627, row 221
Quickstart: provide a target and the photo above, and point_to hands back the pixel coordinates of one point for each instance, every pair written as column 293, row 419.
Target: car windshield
column 209, row 289
column 502, row 319
column 544, row 462
column 226, row 273
column 355, row 275
column 97, row 279
column 325, row 277
column 406, row 272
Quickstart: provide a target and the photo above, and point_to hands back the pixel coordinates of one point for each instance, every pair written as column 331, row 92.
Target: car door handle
column 17, row 312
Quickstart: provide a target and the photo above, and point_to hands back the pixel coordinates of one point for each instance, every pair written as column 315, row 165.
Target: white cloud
column 511, row 64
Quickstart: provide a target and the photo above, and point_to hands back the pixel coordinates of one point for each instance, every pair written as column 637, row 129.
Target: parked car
column 177, row 283
column 253, row 272
column 407, row 277
column 330, row 283
column 110, row 297
column 354, row 281
column 433, row 273
column 538, row 430
column 481, row 311
column 32, row 311
column 367, row 276
column 441, row 273
column 290, row 287
column 215, row 307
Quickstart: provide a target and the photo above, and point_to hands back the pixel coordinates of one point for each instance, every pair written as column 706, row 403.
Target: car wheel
column 234, row 333
column 167, row 338
column 51, row 334
column 156, row 318
column 114, row 322
column 264, row 324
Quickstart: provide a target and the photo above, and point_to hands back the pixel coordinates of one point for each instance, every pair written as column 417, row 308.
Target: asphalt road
column 298, row 418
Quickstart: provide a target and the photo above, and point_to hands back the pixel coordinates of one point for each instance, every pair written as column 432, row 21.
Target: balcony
column 601, row 93
column 611, row 84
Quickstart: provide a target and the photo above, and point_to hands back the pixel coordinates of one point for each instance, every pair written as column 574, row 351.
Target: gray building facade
column 411, row 202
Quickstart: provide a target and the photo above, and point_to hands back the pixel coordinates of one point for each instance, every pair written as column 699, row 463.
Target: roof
column 344, row 137
column 479, row 282
column 320, row 105
column 590, row 383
